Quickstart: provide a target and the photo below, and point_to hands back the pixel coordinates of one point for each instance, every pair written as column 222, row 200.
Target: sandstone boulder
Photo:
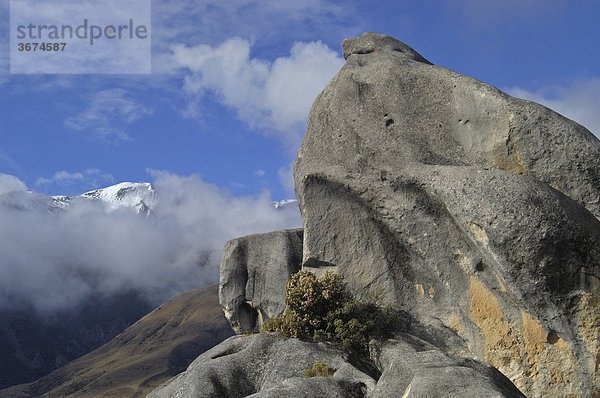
column 476, row 212
column 254, row 270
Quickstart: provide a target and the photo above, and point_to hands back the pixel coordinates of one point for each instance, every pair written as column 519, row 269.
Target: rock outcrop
column 254, row 270
column 476, row 212
column 266, row 365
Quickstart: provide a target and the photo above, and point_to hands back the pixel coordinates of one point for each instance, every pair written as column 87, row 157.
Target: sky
column 233, row 81
column 224, row 110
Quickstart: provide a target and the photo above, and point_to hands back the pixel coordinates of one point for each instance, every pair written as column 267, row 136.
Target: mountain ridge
column 154, row 348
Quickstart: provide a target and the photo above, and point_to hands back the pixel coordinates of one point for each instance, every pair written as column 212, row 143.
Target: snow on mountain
column 135, row 195
column 140, row 196
column 285, row 203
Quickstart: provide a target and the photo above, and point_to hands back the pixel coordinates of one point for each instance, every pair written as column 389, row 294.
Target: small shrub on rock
column 356, row 323
column 322, row 309
column 319, row 369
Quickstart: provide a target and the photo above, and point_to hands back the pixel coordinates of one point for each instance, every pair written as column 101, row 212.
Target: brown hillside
column 152, row 350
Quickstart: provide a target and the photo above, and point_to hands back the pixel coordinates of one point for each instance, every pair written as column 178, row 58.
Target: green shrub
column 356, row 323
column 322, row 309
column 319, row 369
column 273, row 324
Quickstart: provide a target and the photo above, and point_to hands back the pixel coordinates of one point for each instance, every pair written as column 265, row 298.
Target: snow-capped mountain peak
column 135, row 195
column 285, row 203
column 139, row 195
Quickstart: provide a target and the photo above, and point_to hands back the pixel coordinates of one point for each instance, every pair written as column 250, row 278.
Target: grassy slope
column 32, row 345
column 156, row 347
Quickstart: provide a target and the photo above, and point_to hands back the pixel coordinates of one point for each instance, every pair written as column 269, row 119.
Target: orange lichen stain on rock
column 506, row 156
column 478, row 232
column 420, row 290
column 537, row 359
column 455, row 324
column 501, row 283
column 486, row 312
column 463, row 261
column 556, row 376
column 589, row 328
column 560, row 371
column 501, row 340
column 534, row 334
column 535, row 342
column 431, row 292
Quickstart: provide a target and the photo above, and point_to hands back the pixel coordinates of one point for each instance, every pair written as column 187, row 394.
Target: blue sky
column 233, row 81
column 217, row 124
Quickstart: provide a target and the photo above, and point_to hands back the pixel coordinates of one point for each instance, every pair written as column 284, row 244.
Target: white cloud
column 10, row 183
column 295, row 82
column 275, row 96
column 578, row 101
column 260, row 173
column 89, row 177
column 286, row 178
column 60, row 176
column 108, row 114
column 228, row 71
column 54, row 260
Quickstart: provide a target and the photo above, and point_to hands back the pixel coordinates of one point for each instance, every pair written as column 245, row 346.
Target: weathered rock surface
column 254, row 270
column 266, row 365
column 476, row 212
column 415, row 368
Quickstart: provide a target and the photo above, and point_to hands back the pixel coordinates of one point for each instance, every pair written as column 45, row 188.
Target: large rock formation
column 476, row 212
column 254, row 270
column 267, row 366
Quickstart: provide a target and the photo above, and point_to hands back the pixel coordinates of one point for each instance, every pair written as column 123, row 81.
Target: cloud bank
column 56, row 259
column 10, row 183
